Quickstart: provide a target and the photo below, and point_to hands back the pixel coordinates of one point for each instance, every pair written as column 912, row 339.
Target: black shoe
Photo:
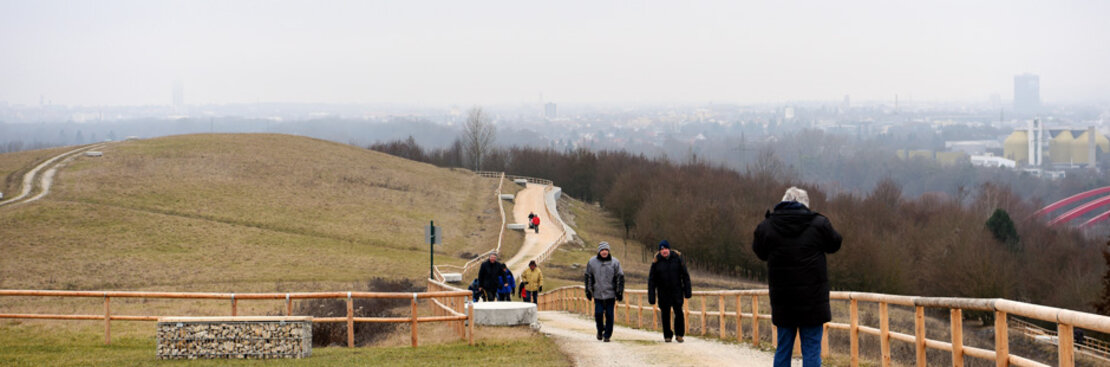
column 666, row 340
column 606, row 340
column 678, row 338
column 599, row 336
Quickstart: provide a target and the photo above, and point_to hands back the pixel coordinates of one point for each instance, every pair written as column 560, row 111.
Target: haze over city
column 111, row 53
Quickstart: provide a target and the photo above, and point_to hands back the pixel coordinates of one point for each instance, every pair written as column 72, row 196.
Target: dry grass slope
column 239, row 213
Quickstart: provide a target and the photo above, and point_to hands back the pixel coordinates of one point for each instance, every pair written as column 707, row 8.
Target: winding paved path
column 531, row 200
column 575, row 334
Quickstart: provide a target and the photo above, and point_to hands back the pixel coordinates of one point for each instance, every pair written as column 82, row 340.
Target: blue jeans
column 603, row 309
column 811, row 346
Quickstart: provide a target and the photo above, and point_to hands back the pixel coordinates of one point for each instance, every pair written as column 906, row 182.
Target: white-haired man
column 793, row 240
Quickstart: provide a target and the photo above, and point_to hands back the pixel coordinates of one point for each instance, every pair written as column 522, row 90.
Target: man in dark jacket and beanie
column 668, row 277
column 605, row 285
column 489, row 278
column 793, row 240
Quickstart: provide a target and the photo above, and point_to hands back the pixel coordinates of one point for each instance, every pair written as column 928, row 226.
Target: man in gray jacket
column 605, row 286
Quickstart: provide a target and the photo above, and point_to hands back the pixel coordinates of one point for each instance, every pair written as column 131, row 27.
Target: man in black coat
column 489, row 278
column 668, row 277
column 793, row 240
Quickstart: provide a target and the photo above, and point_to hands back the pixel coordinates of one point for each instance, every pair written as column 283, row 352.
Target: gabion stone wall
column 255, row 337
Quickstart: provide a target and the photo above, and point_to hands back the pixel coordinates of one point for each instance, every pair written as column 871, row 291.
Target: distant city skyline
column 441, row 53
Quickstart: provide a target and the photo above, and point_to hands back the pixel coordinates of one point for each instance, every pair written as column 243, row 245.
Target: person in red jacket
column 536, row 223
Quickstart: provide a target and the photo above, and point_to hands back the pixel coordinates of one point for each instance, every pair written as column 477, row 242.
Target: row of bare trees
column 935, row 245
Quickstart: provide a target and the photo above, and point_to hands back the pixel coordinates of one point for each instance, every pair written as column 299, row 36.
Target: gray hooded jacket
column 604, row 278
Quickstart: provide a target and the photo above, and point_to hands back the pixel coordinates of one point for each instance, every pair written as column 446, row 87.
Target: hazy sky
column 481, row 52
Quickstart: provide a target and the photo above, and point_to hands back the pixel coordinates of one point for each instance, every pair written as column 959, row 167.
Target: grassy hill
column 239, row 213
column 233, row 213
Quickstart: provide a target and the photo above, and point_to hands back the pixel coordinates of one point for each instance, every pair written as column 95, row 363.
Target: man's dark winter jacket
column 668, row 276
column 489, row 275
column 793, row 241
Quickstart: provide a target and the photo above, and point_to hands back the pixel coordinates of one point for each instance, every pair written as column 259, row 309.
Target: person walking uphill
column 489, row 278
column 605, row 286
column 536, row 223
column 669, row 278
column 508, row 284
column 793, row 240
column 532, row 282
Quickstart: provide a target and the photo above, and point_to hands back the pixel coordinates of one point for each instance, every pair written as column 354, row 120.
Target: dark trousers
column 489, row 295
column 603, row 316
column 531, row 296
column 665, row 307
column 504, row 297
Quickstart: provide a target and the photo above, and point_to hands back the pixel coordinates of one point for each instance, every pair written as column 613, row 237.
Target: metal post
column 432, row 250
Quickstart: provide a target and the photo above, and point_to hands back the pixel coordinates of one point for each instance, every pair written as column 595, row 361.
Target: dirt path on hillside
column 576, row 337
column 531, row 200
column 47, row 178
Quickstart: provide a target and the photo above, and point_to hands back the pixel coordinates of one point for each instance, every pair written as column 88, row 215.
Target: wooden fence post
column 919, row 330
column 640, row 312
column 853, row 332
column 470, row 322
column 739, row 329
column 1001, row 340
column 415, row 313
column 627, row 312
column 350, row 321
column 956, row 319
column 755, row 320
column 107, row 320
column 884, row 333
column 703, row 299
column 721, row 312
column 825, row 352
column 1067, row 344
column 234, row 305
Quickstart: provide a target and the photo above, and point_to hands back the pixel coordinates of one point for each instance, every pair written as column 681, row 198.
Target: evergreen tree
column 1002, row 227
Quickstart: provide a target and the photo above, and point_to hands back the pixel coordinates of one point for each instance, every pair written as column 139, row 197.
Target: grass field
column 39, row 346
column 232, row 213
column 240, row 213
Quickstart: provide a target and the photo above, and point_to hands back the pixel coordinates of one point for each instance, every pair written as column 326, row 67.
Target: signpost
column 434, row 236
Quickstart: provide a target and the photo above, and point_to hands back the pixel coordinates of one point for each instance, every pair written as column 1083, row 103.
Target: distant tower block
column 550, row 110
column 1027, row 93
column 178, row 95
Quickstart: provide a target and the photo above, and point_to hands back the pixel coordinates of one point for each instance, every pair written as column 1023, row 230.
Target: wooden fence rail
column 447, row 306
column 572, row 298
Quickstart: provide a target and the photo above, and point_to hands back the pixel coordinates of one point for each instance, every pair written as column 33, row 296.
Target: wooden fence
column 446, row 306
column 572, row 298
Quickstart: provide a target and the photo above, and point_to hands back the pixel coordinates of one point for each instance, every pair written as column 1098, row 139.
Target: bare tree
column 477, row 137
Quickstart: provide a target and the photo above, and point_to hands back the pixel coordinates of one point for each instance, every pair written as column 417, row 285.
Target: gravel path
column 46, row 179
column 575, row 336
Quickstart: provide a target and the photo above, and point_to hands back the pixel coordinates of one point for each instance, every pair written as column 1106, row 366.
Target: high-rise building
column 550, row 111
column 1027, row 93
column 178, row 95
